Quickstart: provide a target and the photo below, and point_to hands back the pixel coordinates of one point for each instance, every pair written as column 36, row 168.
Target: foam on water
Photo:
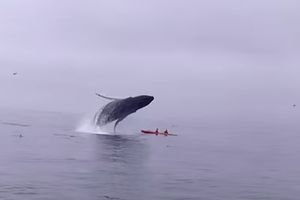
column 88, row 126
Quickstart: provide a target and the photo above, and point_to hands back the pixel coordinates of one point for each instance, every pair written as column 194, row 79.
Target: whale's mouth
column 144, row 100
column 151, row 98
column 148, row 100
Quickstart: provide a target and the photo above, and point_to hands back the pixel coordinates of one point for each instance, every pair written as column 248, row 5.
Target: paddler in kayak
column 156, row 131
column 166, row 132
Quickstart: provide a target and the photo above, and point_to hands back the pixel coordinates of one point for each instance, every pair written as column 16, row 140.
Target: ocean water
column 47, row 155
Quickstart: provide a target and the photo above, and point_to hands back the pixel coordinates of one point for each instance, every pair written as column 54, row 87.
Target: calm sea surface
column 226, row 158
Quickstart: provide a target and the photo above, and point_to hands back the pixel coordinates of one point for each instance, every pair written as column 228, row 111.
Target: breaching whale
column 119, row 109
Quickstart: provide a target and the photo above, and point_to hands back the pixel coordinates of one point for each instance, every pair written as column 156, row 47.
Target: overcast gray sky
column 190, row 54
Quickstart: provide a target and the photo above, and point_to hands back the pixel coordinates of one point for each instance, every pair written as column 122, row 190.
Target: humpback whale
column 119, row 109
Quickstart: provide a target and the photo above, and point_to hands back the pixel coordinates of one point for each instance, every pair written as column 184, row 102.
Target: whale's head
column 142, row 101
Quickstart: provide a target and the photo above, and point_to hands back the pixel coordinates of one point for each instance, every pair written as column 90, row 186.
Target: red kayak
column 157, row 133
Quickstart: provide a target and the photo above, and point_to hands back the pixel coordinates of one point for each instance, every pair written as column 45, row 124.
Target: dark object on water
column 156, row 132
column 15, row 124
column 15, row 73
column 294, row 105
column 119, row 109
column 20, row 136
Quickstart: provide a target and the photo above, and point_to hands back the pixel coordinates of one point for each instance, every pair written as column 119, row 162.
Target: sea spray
column 87, row 125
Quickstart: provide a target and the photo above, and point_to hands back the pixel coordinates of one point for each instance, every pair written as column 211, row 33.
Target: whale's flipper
column 109, row 98
column 117, row 122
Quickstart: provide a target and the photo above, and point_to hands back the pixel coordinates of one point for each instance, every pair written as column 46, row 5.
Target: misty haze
column 225, row 80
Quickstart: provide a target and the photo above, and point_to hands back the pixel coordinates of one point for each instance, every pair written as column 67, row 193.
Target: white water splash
column 88, row 126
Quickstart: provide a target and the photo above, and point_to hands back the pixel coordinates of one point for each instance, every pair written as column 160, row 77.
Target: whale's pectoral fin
column 117, row 122
column 105, row 97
